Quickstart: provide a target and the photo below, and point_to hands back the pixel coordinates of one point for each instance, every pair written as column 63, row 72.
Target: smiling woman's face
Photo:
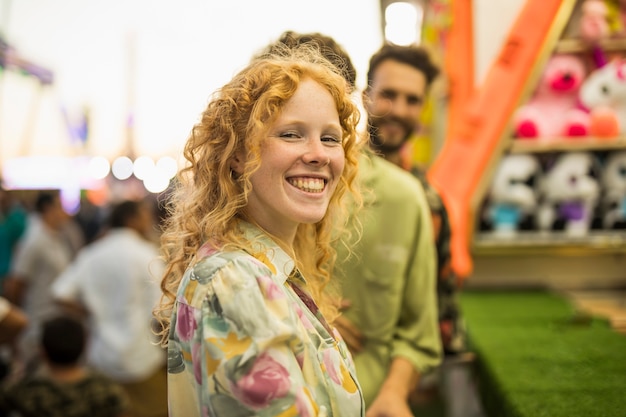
column 302, row 160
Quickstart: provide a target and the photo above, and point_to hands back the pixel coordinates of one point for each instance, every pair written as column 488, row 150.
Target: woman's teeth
column 310, row 185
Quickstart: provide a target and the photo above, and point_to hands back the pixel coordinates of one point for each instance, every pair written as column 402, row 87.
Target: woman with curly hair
column 249, row 241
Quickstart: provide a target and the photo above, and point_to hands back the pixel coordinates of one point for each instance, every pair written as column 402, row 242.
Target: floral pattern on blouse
column 243, row 343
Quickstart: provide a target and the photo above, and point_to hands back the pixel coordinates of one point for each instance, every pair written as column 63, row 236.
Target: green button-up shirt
column 390, row 278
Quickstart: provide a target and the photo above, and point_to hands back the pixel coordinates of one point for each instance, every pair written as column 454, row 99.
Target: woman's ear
column 237, row 163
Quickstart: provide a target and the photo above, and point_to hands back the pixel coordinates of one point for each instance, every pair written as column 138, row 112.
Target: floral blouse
column 243, row 341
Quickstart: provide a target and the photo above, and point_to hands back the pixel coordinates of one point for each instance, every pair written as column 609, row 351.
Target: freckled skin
column 302, row 144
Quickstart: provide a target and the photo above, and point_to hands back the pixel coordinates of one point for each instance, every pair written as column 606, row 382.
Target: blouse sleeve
column 236, row 324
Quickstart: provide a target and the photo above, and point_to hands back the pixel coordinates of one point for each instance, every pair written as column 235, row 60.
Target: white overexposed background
column 156, row 63
column 155, row 59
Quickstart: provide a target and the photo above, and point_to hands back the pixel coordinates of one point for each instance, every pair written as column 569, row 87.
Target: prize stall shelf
column 483, row 136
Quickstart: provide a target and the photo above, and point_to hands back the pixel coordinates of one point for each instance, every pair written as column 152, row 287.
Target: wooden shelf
column 566, row 144
column 574, row 45
column 524, row 243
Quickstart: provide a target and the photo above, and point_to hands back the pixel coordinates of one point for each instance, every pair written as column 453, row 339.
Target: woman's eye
column 331, row 139
column 289, row 135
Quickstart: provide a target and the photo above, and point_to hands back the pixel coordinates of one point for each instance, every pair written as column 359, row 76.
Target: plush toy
column 569, row 192
column 512, row 195
column 613, row 201
column 621, row 14
column 594, row 21
column 553, row 109
column 603, row 93
column 617, row 16
column 593, row 26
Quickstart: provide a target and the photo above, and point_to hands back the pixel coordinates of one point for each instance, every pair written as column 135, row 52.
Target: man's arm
column 14, row 289
column 12, row 321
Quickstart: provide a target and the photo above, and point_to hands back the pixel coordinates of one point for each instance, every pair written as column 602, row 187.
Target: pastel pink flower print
column 303, row 318
column 330, row 363
column 271, row 289
column 266, row 381
column 197, row 363
column 185, row 322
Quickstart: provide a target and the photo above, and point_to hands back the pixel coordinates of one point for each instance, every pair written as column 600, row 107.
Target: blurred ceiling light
column 156, row 182
column 143, row 167
column 168, row 166
column 403, row 21
column 99, row 167
column 122, row 168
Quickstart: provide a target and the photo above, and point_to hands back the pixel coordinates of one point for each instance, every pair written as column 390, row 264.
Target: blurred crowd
column 76, row 301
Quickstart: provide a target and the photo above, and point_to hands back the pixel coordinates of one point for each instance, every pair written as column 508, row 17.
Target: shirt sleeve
column 67, row 286
column 25, row 262
column 417, row 333
column 241, row 336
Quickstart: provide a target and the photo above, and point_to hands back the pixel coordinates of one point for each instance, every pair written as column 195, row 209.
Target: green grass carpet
column 537, row 357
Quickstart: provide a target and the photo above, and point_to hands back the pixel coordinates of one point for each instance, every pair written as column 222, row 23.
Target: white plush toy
column 603, row 93
column 512, row 196
column 569, row 192
column 613, row 203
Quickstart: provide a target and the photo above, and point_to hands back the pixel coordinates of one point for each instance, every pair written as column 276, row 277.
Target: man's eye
column 414, row 100
column 388, row 94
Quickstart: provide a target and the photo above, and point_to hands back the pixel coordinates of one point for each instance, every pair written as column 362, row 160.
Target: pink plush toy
column 553, row 110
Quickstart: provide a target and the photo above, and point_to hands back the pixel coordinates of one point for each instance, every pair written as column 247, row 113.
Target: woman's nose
column 316, row 153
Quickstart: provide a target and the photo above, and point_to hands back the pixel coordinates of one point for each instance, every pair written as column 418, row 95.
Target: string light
column 403, row 21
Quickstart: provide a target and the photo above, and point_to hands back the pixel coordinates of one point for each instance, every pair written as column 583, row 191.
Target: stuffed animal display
column 568, row 192
column 553, row 111
column 512, row 195
column 569, row 189
column 613, row 200
column 603, row 93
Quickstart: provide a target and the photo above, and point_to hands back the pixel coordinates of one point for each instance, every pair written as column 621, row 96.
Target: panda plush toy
column 613, row 200
column 569, row 192
column 511, row 199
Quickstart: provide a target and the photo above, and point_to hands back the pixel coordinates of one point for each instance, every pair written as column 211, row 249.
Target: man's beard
column 378, row 143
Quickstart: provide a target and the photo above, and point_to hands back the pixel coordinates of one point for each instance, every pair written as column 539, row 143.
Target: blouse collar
column 266, row 250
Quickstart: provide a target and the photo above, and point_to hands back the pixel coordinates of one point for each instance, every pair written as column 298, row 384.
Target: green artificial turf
column 538, row 357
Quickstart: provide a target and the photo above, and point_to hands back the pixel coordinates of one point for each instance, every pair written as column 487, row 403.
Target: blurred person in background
column 13, row 219
column 113, row 284
column 63, row 386
column 41, row 255
column 12, row 322
column 399, row 80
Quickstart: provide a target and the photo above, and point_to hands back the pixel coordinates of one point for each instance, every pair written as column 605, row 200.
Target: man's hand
column 349, row 332
column 389, row 404
column 393, row 397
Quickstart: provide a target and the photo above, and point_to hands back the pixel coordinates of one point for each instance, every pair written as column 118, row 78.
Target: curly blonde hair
column 208, row 200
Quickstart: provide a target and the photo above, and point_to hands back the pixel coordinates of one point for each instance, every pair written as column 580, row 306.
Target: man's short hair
column 412, row 55
column 63, row 340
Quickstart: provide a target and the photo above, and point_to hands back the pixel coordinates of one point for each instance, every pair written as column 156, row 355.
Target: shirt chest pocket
column 385, row 268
